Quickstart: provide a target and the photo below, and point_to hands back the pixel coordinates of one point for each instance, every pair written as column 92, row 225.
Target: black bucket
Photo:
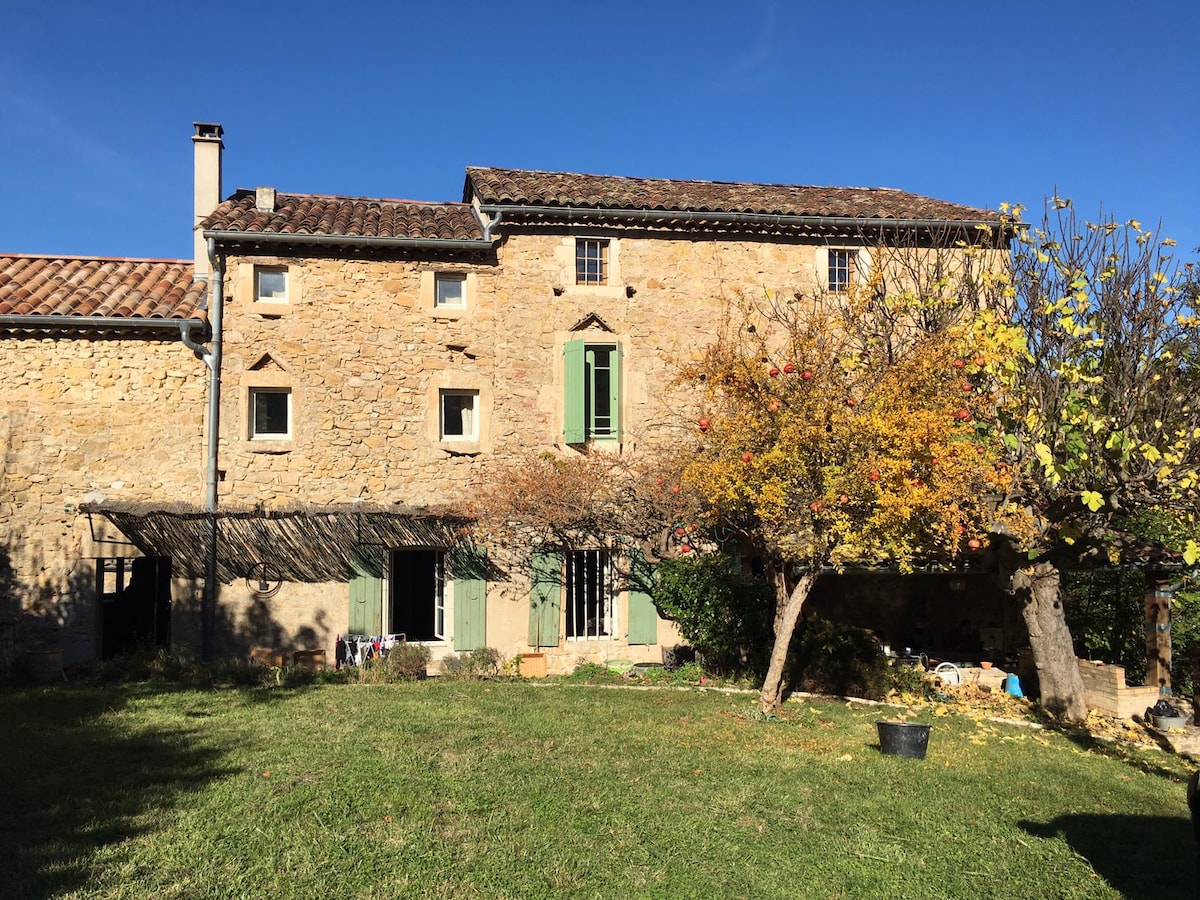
column 907, row 739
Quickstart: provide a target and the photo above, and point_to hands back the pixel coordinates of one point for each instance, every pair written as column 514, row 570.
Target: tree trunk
column 787, row 612
column 1037, row 589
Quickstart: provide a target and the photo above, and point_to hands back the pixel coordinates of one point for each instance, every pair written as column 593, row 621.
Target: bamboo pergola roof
column 311, row 544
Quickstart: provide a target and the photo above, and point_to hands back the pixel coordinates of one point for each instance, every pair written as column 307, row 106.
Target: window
column 270, row 413
column 592, row 388
column 270, row 284
column 591, row 612
column 449, row 291
column 417, row 601
column 841, row 270
column 591, row 261
column 459, row 415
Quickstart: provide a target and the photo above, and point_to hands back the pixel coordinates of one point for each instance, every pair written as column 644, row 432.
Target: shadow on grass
column 1142, row 857
column 1161, row 765
column 74, row 780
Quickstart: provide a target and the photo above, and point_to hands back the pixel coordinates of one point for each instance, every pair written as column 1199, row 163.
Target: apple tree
column 826, row 439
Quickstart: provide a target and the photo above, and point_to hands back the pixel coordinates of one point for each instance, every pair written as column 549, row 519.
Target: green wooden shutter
column 366, row 590
column 643, row 616
column 574, row 426
column 545, row 598
column 469, row 571
column 614, row 390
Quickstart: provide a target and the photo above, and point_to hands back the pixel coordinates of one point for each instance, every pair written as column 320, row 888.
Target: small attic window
column 591, row 261
column 270, row 284
column 450, row 290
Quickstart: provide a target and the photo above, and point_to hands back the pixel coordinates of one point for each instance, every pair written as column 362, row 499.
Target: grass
column 510, row 789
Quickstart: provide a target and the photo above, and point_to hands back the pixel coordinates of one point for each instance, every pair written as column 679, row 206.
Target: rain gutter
column 346, row 240
column 216, row 311
column 182, row 327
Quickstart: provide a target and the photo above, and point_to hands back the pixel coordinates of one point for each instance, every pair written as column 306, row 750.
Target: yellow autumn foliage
column 833, row 449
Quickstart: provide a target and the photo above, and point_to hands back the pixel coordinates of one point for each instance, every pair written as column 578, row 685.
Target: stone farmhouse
column 286, row 418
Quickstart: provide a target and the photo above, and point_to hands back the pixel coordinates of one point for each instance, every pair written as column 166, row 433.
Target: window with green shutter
column 643, row 615
column 592, row 392
column 468, row 568
column 366, row 590
column 545, row 599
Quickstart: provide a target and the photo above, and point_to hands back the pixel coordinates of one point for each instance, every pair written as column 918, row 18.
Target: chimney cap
column 264, row 199
column 207, row 131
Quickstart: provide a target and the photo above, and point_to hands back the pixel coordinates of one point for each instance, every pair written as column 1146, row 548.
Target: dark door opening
column 135, row 601
column 417, row 598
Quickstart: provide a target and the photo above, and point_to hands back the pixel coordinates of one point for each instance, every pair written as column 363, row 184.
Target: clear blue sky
column 976, row 103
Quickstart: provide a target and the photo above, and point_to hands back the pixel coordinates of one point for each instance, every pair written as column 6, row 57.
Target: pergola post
column 1158, row 634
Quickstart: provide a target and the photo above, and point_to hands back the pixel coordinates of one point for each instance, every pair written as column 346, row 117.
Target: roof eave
column 223, row 236
column 570, row 213
column 59, row 322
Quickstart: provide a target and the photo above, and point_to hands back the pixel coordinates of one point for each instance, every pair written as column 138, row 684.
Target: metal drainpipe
column 208, row 603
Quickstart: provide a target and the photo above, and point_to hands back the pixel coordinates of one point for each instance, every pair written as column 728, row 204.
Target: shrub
column 404, row 662
column 594, row 673
column 837, row 659
column 726, row 614
column 482, row 662
column 906, row 679
column 407, row 661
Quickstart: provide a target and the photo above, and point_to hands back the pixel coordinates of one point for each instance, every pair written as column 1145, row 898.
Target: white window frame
column 459, row 278
column 259, row 272
column 442, row 599
column 470, row 435
column 598, row 567
column 254, row 435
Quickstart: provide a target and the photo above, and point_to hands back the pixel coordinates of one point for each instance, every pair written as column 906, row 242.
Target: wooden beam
column 1158, row 634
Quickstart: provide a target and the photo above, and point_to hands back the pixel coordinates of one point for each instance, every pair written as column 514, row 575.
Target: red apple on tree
column 747, row 457
column 704, row 423
column 789, row 368
column 807, row 375
column 773, row 371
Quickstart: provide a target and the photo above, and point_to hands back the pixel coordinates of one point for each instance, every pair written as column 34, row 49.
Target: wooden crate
column 310, row 659
column 266, row 656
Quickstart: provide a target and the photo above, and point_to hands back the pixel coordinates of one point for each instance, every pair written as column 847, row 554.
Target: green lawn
column 521, row 790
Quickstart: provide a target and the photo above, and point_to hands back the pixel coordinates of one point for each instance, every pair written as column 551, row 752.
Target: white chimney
column 207, row 147
column 264, row 199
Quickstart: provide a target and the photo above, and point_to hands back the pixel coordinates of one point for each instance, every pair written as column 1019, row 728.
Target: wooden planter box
column 533, row 665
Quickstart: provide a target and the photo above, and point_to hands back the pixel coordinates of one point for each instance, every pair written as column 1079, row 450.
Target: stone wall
column 87, row 419
column 364, row 352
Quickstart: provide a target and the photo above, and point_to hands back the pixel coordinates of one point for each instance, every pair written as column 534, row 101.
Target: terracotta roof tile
column 94, row 286
column 565, row 189
column 315, row 215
